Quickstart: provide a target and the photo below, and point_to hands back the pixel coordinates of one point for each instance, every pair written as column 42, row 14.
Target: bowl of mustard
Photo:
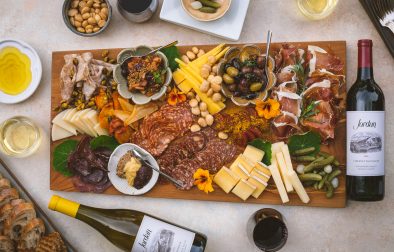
column 20, row 71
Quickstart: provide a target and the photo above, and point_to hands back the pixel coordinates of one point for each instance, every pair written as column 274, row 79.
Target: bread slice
column 31, row 234
column 20, row 215
column 6, row 210
column 51, row 243
column 4, row 183
column 8, row 194
column 6, row 244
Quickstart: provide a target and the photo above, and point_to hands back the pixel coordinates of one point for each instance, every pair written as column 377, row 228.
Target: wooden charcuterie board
column 58, row 182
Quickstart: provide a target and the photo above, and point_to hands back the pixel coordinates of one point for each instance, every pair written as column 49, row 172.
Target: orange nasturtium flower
column 268, row 109
column 175, row 97
column 203, row 180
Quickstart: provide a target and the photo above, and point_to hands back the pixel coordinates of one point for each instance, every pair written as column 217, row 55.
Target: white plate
column 36, row 70
column 121, row 184
column 228, row 27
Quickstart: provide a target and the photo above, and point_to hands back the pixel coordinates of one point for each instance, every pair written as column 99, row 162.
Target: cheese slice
column 78, row 123
column 264, row 177
column 178, row 77
column 100, row 131
column 253, row 154
column 283, row 171
column 244, row 162
column 60, row 122
column 226, row 179
column 185, row 86
column 278, row 182
column 286, row 155
column 59, row 133
column 299, row 188
column 86, row 118
column 71, row 112
column 262, row 168
column 259, row 184
column 90, row 130
column 244, row 189
column 276, row 147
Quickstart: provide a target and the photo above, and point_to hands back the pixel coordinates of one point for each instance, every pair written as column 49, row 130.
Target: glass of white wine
column 19, row 136
column 317, row 9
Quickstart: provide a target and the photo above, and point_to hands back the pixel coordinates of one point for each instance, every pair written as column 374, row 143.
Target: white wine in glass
column 316, row 9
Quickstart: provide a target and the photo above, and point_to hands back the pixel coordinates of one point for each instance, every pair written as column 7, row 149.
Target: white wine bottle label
column 365, row 143
column 155, row 235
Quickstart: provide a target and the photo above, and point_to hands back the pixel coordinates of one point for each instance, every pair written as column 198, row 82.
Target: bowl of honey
column 20, row 71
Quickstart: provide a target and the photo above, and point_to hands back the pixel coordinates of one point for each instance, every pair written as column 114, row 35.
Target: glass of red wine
column 267, row 230
column 137, row 11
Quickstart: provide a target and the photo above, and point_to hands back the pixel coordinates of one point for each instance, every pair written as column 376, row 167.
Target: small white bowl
column 120, row 183
column 36, row 71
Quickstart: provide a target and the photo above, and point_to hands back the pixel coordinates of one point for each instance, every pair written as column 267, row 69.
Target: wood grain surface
column 58, row 182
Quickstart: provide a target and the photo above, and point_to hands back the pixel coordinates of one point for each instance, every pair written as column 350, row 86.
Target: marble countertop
column 358, row 227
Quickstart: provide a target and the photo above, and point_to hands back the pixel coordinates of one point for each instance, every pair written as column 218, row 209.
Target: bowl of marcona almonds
column 87, row 17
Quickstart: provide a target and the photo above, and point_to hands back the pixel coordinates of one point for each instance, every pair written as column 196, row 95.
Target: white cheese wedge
column 78, row 123
column 299, row 188
column 100, row 131
column 71, row 112
column 244, row 189
column 93, row 117
column 253, row 154
column 275, row 148
column 283, row 171
column 59, row 133
column 87, row 124
column 278, row 182
column 58, row 120
column 90, row 123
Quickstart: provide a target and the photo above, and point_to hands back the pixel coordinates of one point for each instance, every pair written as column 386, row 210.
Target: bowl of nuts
column 87, row 17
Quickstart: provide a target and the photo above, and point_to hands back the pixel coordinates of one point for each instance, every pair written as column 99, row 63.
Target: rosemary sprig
column 310, row 110
column 301, row 76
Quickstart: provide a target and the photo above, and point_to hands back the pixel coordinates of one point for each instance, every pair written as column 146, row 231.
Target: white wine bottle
column 132, row 230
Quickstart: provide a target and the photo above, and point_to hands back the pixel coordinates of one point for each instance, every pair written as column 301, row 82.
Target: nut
column 210, row 92
column 78, row 17
column 203, row 106
column 104, row 11
column 195, row 128
column 217, row 80
column 97, row 18
column 216, row 87
column 200, row 53
column 77, row 23
column 195, row 50
column 80, row 29
column 84, row 23
column 190, row 55
column 204, row 72
column 86, row 15
column 204, row 87
column 198, row 98
column 207, row 67
column 211, row 59
column 204, row 114
column 85, row 9
column 193, row 103
column 201, row 121
column 215, row 69
column 196, row 111
column 190, row 95
column 96, row 29
column 72, row 12
column 185, row 59
column 209, row 119
column 91, row 20
column 101, row 23
column 74, row 4
column 216, row 97
column 222, row 135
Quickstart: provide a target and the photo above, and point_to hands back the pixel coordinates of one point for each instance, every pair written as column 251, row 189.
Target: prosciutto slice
column 284, row 124
column 323, row 122
column 320, row 59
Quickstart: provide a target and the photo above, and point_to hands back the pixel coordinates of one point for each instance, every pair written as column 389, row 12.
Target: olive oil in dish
column 132, row 230
column 15, row 71
column 316, row 9
column 19, row 137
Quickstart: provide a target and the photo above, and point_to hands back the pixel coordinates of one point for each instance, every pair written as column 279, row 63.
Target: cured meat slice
column 323, row 122
column 160, row 128
column 319, row 59
column 284, row 124
column 68, row 76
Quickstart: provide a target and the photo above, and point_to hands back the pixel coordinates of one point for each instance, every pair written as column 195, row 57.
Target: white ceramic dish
column 121, row 184
column 219, row 14
column 227, row 27
column 36, row 70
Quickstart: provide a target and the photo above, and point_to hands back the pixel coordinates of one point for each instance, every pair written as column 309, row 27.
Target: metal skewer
column 269, row 36
column 159, row 48
column 141, row 158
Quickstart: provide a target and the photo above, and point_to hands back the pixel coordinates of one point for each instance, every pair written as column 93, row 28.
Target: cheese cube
column 253, row 154
column 244, row 189
column 262, row 176
column 241, row 171
column 259, row 184
column 226, row 179
column 244, row 162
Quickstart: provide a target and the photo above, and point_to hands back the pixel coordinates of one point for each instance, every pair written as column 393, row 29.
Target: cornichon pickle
column 319, row 164
column 207, row 9
column 333, row 174
column 321, row 182
column 210, row 4
column 304, row 158
column 330, row 189
column 304, row 151
column 310, row 177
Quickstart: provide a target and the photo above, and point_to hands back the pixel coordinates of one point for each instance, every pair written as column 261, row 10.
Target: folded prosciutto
column 323, row 122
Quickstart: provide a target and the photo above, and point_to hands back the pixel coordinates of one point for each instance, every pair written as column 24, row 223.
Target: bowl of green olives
column 244, row 75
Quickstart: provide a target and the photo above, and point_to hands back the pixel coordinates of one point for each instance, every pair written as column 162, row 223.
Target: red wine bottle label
column 365, row 143
column 157, row 235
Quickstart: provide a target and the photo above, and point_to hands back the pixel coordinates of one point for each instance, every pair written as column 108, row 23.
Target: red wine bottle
column 365, row 132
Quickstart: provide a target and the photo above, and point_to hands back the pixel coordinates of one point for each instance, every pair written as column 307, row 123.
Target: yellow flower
column 268, row 109
column 175, row 97
column 203, row 180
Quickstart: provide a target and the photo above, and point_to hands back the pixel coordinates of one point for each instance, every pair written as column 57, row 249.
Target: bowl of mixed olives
column 244, row 75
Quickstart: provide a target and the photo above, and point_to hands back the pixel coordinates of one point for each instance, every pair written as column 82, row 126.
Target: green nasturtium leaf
column 309, row 139
column 171, row 53
column 264, row 146
column 60, row 156
column 104, row 142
